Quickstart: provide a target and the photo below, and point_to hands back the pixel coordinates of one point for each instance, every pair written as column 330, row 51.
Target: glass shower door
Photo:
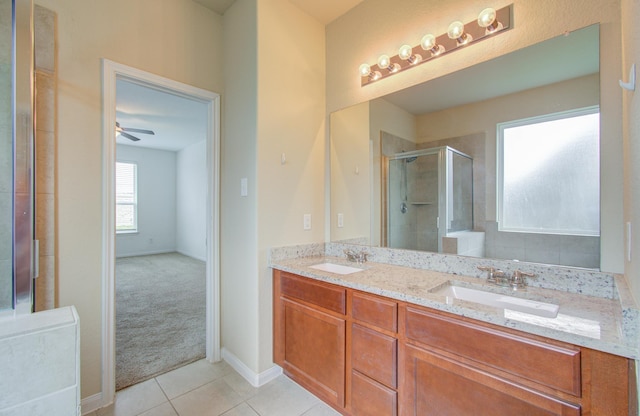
column 413, row 201
column 16, row 156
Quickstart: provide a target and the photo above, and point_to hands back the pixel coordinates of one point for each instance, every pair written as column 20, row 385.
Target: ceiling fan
column 124, row 131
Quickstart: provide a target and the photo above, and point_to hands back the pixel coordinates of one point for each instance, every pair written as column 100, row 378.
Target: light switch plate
column 244, row 187
column 307, row 221
column 340, row 220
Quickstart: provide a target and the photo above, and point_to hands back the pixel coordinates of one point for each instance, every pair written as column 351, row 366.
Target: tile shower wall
column 565, row 250
column 45, row 145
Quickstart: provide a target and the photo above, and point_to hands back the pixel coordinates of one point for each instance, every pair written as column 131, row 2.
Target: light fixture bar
column 473, row 33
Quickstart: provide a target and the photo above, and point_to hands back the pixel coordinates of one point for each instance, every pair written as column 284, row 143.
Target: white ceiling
column 177, row 122
column 325, row 11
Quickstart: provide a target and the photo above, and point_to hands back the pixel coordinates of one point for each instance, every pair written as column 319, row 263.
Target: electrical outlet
column 340, row 220
column 307, row 221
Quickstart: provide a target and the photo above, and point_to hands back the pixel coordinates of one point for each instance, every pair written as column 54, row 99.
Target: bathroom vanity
column 385, row 340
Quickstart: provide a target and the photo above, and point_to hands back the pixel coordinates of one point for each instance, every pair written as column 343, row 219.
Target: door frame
column 112, row 71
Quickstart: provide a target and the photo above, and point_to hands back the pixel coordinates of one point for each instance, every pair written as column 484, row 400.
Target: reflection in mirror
column 429, row 198
column 6, row 162
column 374, row 177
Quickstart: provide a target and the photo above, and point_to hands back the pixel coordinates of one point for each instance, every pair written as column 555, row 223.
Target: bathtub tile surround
column 596, row 309
column 40, row 361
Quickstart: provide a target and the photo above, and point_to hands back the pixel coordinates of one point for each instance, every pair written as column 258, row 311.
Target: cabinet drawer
column 439, row 386
column 371, row 398
column 326, row 296
column 374, row 354
column 557, row 367
column 382, row 313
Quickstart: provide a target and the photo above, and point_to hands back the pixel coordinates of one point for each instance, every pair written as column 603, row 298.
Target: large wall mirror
column 500, row 160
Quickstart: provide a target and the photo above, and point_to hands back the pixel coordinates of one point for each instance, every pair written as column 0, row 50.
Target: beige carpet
column 160, row 315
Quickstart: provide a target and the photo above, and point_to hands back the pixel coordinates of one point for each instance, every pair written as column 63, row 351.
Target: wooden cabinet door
column 370, row 398
column 434, row 385
column 314, row 350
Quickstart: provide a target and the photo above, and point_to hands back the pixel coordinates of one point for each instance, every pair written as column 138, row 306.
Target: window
column 126, row 197
column 549, row 174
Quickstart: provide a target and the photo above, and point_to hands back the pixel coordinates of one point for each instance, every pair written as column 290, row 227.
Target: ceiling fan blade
column 137, row 130
column 129, row 136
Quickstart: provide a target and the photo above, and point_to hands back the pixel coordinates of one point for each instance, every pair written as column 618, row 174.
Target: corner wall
column 238, row 214
column 156, row 202
column 631, row 101
column 191, row 201
column 291, row 120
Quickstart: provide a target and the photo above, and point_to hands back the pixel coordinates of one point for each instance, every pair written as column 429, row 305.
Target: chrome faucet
column 357, row 257
column 518, row 279
column 493, row 274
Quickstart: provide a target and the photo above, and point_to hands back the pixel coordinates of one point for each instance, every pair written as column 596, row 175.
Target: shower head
column 410, row 159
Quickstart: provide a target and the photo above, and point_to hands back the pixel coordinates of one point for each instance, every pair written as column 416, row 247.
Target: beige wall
column 238, row 215
column 376, row 27
column 291, row 120
column 631, row 100
column 274, row 104
column 180, row 40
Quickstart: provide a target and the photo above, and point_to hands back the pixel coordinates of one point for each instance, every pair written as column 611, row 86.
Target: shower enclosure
column 429, row 195
column 16, row 164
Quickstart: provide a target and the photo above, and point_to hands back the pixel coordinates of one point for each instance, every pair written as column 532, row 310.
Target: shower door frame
column 442, row 219
column 24, row 246
column 441, row 185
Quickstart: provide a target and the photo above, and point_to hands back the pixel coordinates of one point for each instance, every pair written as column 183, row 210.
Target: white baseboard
column 184, row 253
column 144, row 253
column 255, row 379
column 92, row 403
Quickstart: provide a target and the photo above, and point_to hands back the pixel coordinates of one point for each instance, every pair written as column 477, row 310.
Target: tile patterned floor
column 204, row 389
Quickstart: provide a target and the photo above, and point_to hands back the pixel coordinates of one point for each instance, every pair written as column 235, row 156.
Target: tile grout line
column 167, row 396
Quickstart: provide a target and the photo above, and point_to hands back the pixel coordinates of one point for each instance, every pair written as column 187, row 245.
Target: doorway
column 112, row 74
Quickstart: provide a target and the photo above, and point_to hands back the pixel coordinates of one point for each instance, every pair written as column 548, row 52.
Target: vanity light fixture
column 489, row 23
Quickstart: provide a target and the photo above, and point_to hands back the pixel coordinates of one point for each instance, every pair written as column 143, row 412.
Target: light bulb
column 384, row 61
column 487, row 17
column 456, row 32
column 365, row 70
column 405, row 52
column 428, row 43
column 456, row 29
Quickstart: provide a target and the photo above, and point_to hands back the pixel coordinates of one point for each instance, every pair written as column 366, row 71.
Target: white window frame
column 135, row 198
column 500, row 164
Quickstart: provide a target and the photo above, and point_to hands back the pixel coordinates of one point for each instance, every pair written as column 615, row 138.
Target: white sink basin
column 335, row 268
column 533, row 307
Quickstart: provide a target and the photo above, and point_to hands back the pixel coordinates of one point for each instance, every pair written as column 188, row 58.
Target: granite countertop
column 598, row 323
